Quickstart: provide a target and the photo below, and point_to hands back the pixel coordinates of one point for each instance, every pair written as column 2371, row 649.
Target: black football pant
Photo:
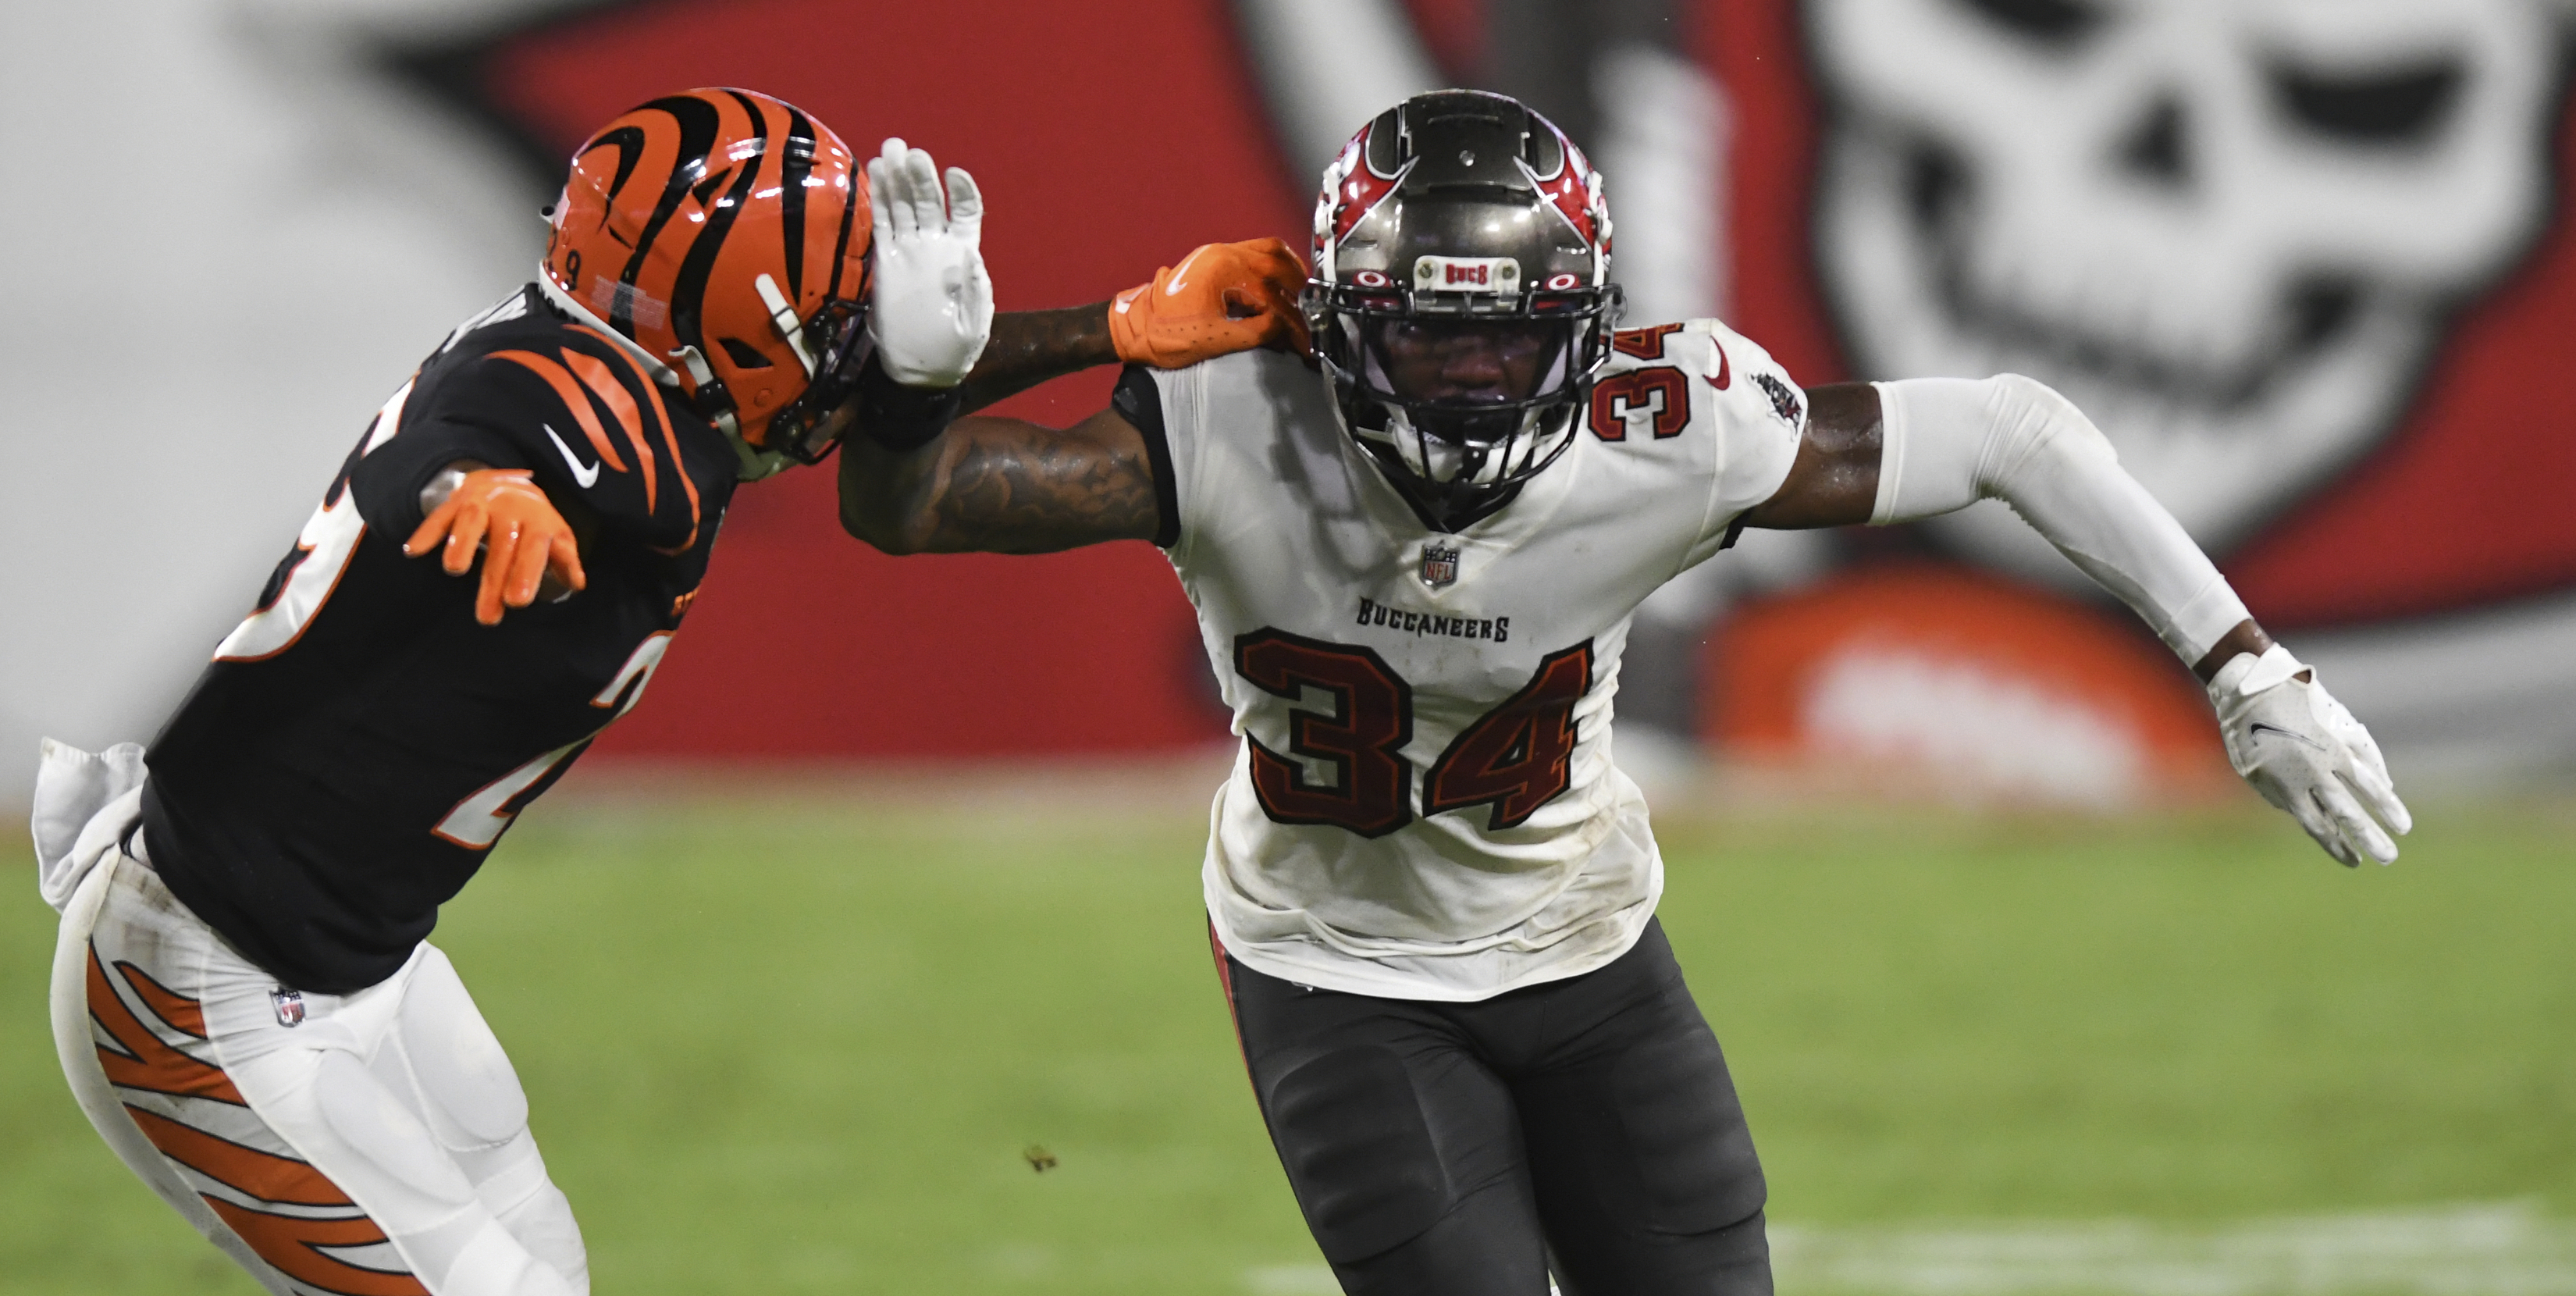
column 1464, row 1148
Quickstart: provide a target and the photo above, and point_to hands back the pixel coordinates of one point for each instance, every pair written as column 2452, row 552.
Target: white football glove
column 932, row 308
column 2298, row 746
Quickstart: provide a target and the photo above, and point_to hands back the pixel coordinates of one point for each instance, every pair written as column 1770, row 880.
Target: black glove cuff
column 904, row 419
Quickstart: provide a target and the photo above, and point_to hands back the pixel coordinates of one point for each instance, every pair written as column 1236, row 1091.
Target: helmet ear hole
column 743, row 354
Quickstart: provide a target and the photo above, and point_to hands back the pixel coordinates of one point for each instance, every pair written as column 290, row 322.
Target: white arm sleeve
column 1950, row 442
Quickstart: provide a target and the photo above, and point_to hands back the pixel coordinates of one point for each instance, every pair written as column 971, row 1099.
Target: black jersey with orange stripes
column 360, row 741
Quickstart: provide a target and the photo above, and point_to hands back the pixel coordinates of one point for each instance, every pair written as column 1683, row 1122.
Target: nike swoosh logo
column 2258, row 728
column 1181, row 274
column 585, row 476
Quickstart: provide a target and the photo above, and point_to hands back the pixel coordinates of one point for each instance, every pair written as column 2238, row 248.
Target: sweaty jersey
column 1424, row 804
column 360, row 741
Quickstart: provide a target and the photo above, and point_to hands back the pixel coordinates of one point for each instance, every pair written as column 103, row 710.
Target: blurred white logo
column 2231, row 230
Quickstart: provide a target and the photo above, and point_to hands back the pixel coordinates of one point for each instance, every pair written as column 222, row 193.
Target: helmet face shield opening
column 807, row 430
column 1463, row 361
column 1464, row 396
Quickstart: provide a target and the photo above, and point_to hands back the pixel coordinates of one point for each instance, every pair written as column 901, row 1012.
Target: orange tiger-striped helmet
column 726, row 233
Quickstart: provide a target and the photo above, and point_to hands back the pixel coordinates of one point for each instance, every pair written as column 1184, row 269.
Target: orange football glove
column 1222, row 298
column 502, row 510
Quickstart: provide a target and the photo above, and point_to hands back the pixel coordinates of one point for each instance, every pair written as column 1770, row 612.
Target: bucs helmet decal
column 1353, row 188
column 724, row 233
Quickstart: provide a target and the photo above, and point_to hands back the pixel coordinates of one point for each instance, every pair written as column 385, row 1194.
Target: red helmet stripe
column 1362, row 188
column 1570, row 190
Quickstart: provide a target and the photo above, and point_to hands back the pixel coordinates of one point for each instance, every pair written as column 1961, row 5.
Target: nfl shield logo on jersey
column 1439, row 565
column 290, row 1006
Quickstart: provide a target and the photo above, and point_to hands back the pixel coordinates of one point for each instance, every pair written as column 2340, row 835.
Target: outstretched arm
column 995, row 485
column 1221, row 298
column 990, row 485
column 1896, row 452
column 1031, row 347
column 1835, row 482
column 527, row 548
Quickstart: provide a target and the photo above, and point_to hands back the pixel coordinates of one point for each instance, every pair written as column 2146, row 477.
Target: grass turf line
column 800, row 1048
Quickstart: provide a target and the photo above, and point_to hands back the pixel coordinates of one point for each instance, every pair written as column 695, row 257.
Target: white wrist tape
column 2247, row 674
column 1950, row 442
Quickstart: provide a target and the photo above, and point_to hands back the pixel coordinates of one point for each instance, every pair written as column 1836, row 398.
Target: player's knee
column 542, row 1222
column 1693, row 1155
column 495, row 1264
column 1351, row 1130
column 373, row 1125
column 473, row 1095
column 1730, row 1261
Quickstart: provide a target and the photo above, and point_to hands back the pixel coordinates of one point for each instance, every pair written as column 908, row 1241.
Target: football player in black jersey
column 243, row 997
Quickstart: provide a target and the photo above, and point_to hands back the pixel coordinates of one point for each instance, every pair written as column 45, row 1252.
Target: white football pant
column 370, row 1144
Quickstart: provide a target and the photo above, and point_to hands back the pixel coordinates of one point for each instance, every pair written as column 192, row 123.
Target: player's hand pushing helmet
column 1462, row 298
column 725, row 234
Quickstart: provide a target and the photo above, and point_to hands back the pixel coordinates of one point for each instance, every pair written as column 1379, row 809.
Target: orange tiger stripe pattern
column 294, row 1244
column 299, row 1245
column 595, row 376
column 249, row 1171
column 145, row 1062
column 674, row 210
column 570, row 391
column 661, row 419
column 182, row 1013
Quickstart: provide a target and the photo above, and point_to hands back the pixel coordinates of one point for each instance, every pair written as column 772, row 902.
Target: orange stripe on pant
column 293, row 1244
column 146, row 1063
column 295, row 1247
column 183, row 1013
column 249, row 1171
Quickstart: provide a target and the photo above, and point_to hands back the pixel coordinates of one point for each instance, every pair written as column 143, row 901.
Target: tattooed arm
column 994, row 485
column 990, row 485
column 1030, row 347
column 1004, row 486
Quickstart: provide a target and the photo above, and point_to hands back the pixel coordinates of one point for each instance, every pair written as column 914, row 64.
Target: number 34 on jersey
column 1514, row 759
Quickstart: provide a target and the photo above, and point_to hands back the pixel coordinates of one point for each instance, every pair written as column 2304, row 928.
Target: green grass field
column 799, row 1046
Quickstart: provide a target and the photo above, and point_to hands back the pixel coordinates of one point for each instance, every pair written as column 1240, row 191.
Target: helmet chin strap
column 751, row 462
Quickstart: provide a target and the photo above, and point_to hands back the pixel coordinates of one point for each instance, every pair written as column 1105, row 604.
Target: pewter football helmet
column 1458, row 211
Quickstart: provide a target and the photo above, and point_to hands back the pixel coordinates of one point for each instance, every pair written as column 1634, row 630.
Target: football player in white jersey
column 1430, row 889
